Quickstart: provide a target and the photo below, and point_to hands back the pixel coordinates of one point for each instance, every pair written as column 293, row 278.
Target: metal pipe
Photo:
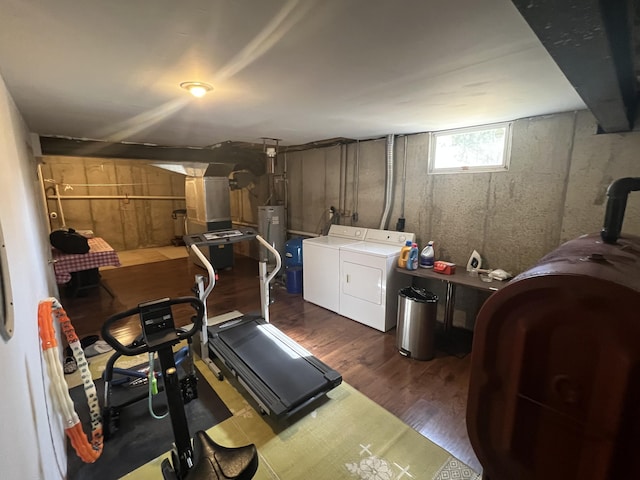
column 57, row 197
column 67, row 185
column 343, row 153
column 356, row 182
column 43, row 196
column 617, row 194
column 404, row 176
column 388, row 194
column 304, row 234
column 340, row 199
column 113, row 197
column 244, row 224
column 286, row 189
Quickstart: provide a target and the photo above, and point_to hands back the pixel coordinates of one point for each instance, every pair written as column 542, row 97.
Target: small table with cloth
column 79, row 271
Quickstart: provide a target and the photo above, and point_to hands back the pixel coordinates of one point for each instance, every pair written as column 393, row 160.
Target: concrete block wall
column 554, row 190
column 124, row 224
column 596, row 161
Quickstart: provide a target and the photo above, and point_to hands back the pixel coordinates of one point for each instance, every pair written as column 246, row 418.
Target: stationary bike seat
column 213, row 461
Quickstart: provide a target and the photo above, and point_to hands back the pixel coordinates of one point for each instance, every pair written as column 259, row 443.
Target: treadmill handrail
column 265, row 280
column 276, row 254
column 210, row 273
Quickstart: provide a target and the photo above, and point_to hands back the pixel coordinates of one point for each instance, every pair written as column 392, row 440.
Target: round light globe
column 197, row 89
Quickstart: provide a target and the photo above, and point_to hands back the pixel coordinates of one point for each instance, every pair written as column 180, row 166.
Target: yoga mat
column 140, row 437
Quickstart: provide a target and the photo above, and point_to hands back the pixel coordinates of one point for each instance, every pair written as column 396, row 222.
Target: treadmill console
column 221, row 234
column 219, row 237
column 157, row 322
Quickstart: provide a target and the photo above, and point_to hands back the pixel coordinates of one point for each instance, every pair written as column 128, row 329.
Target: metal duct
column 239, row 155
column 388, row 194
column 209, row 208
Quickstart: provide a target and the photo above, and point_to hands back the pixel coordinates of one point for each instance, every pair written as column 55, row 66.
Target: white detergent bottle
column 427, row 256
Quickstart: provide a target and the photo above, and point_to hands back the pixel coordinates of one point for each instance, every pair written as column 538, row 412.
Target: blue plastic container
column 293, row 252
column 293, row 279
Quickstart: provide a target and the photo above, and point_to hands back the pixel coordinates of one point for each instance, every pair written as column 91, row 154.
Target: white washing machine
column 369, row 283
column 321, row 265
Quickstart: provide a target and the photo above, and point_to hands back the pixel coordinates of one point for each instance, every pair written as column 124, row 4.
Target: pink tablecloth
column 100, row 255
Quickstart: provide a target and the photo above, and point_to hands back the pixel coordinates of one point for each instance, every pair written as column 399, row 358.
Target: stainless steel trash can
column 415, row 331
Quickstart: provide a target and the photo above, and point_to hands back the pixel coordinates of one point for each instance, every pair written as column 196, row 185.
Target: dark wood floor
column 428, row 396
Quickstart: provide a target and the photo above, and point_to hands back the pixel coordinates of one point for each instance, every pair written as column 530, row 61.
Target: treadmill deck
column 280, row 375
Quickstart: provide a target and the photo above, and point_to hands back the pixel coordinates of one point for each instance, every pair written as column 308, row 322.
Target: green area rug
column 346, row 437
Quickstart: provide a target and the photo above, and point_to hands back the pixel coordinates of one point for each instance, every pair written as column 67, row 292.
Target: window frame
column 506, row 154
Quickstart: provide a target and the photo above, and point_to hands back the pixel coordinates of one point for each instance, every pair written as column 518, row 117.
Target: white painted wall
column 32, row 442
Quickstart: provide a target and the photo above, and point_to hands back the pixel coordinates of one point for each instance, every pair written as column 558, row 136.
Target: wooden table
column 460, row 277
column 82, row 268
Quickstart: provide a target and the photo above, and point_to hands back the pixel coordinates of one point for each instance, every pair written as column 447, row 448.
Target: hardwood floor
column 429, row 396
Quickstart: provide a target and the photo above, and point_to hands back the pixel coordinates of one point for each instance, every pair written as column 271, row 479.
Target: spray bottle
column 427, row 256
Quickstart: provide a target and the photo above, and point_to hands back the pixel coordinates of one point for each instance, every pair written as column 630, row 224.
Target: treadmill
column 280, row 376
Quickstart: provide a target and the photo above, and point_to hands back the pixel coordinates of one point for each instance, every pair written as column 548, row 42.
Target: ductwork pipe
column 617, row 194
column 388, row 194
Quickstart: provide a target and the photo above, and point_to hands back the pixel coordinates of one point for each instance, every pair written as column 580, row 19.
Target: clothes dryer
column 369, row 282
column 321, row 265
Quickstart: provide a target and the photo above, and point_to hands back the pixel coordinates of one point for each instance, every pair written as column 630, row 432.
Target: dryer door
column 363, row 288
column 362, row 282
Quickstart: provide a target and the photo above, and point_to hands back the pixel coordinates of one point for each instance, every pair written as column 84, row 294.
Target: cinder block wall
column 554, row 190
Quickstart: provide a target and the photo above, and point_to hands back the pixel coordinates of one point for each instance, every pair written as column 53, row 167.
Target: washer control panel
column 346, row 231
column 389, row 237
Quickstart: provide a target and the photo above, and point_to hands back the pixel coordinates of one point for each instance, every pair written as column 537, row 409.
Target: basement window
column 485, row 148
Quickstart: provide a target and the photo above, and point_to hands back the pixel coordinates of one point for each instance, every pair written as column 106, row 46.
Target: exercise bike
column 206, row 459
column 124, row 387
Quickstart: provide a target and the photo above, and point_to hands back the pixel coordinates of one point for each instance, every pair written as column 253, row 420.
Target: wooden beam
column 592, row 43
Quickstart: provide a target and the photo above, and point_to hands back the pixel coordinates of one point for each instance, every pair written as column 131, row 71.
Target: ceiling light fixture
column 197, row 89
